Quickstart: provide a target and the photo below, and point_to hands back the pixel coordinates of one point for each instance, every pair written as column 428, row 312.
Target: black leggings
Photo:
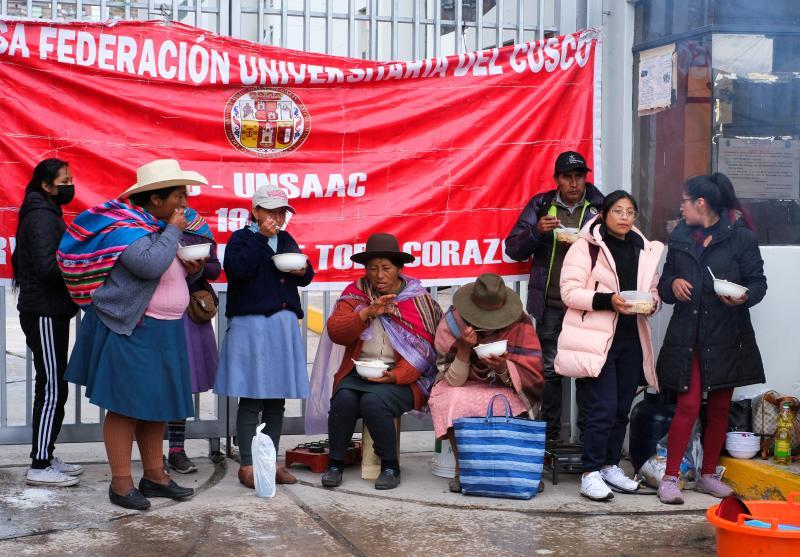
column 347, row 406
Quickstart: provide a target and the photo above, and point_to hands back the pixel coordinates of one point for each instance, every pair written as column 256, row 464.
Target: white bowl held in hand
column 639, row 302
column 725, row 288
column 370, row 369
column 288, row 262
column 195, row 252
column 567, row 235
column 497, row 348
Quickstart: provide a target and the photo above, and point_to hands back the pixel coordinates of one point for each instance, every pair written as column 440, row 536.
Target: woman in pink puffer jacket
column 606, row 341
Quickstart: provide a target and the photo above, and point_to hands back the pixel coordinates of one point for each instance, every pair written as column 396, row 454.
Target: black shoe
column 332, row 477
column 389, row 479
column 131, row 500
column 179, row 462
column 171, row 490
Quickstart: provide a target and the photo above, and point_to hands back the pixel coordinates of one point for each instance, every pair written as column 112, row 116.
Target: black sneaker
column 389, row 479
column 332, row 477
column 179, row 462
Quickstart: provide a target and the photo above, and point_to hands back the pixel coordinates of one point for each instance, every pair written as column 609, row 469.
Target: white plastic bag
column 653, row 469
column 263, row 463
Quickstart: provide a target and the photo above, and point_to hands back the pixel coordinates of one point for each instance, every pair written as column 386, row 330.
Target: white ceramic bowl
column 743, row 453
column 641, row 302
column 287, row 262
column 370, row 369
column 195, row 252
column 497, row 348
column 726, row 288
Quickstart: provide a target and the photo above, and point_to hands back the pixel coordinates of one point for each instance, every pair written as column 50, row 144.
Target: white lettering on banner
column 548, row 55
column 7, row 246
column 445, row 253
column 231, row 220
column 17, row 41
column 353, row 185
column 124, row 54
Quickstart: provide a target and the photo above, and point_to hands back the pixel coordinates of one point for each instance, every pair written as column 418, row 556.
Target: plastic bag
column 653, row 469
column 264, row 458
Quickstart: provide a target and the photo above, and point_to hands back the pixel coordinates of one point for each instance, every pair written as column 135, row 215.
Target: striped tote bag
column 500, row 456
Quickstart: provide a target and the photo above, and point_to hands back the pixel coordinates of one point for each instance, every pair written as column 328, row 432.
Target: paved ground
column 419, row 518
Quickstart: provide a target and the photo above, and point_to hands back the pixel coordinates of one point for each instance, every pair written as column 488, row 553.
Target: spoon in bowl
column 712, row 273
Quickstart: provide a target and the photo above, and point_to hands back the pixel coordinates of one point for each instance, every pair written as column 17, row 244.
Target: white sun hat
column 163, row 173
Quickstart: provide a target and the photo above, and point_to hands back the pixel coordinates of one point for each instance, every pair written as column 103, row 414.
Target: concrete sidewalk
column 421, row 517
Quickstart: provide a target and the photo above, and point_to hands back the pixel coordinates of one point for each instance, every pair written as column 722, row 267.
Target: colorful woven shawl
column 94, row 241
column 411, row 327
column 197, row 225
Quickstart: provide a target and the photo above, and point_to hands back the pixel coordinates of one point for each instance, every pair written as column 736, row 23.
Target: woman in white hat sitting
column 119, row 261
column 482, row 312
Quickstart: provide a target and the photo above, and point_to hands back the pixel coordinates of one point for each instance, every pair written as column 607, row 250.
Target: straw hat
column 163, row 173
column 488, row 303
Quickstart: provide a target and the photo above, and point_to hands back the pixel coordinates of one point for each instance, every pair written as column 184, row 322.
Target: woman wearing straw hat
column 263, row 357
column 484, row 311
column 119, row 263
column 387, row 316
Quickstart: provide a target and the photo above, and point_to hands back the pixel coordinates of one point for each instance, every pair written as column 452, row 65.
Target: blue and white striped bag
column 500, row 456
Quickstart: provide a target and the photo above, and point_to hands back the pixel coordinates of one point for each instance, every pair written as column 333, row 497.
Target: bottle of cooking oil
column 783, row 436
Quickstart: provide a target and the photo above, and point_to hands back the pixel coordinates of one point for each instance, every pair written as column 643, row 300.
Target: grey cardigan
column 122, row 300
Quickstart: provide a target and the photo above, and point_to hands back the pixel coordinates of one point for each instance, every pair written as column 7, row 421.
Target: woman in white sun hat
column 120, row 265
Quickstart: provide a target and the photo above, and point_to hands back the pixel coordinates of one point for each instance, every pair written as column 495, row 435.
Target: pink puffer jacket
column 586, row 335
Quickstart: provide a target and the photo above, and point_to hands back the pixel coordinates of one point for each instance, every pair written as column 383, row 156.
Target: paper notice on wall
column 655, row 79
column 761, row 169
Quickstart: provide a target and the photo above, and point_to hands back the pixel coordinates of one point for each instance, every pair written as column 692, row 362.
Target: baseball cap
column 569, row 161
column 271, row 197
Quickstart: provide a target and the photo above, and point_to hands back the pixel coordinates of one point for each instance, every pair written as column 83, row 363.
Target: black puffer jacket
column 41, row 287
column 723, row 334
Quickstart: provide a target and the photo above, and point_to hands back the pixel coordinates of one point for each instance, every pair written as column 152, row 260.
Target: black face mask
column 66, row 192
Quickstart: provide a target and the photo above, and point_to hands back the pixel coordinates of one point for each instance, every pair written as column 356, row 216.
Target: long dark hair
column 730, row 201
column 611, row 200
column 707, row 188
column 45, row 172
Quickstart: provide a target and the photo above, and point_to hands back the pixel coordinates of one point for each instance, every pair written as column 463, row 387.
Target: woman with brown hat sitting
column 386, row 316
column 484, row 311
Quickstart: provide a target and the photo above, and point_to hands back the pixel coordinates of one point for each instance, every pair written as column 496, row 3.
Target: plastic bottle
column 783, row 436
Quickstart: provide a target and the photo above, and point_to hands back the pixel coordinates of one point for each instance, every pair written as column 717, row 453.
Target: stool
column 370, row 462
column 563, row 458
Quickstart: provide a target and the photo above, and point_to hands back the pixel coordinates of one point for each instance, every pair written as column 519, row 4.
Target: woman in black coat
column 710, row 346
column 45, row 310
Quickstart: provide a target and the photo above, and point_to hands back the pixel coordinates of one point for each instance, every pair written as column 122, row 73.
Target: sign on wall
column 444, row 153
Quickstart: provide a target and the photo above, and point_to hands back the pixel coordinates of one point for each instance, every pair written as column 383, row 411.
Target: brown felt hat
column 382, row 245
column 488, row 303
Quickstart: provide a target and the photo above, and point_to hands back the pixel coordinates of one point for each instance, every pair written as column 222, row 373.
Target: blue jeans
column 606, row 401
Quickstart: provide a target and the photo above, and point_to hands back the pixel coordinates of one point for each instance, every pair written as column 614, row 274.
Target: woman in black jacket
column 710, row 346
column 45, row 310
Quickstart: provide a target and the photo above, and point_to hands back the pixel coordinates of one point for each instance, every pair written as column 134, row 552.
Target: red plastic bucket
column 734, row 539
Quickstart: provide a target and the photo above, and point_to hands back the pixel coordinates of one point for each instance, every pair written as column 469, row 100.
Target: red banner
column 443, row 153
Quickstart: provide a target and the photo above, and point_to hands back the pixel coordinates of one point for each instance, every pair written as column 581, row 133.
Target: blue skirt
column 263, row 357
column 143, row 376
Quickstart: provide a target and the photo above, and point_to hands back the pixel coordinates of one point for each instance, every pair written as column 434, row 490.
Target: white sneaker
column 49, row 477
column 65, row 468
column 616, row 478
column 593, row 487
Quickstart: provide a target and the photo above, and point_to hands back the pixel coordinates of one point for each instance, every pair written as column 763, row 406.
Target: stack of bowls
column 742, row 444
